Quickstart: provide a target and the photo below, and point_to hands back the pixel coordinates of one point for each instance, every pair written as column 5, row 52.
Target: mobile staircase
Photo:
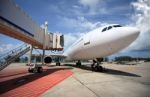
column 9, row 57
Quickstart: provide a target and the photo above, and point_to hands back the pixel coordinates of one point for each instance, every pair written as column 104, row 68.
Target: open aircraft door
column 86, row 40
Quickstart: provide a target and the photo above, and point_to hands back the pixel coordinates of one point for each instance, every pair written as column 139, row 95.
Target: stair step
column 10, row 56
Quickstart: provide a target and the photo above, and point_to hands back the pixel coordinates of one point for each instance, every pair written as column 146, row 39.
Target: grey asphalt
column 114, row 81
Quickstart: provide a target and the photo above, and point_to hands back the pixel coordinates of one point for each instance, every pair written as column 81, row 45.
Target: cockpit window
column 117, row 26
column 104, row 29
column 109, row 27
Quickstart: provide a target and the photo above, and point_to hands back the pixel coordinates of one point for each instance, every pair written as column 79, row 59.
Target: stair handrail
column 12, row 52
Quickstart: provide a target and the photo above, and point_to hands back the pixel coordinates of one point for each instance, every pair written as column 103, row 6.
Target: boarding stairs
column 9, row 57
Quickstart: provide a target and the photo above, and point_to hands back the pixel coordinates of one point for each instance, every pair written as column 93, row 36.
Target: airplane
column 99, row 43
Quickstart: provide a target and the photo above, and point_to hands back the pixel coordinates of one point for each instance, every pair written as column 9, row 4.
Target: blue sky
column 57, row 11
column 75, row 17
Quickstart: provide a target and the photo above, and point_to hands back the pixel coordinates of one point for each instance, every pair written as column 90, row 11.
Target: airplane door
column 86, row 40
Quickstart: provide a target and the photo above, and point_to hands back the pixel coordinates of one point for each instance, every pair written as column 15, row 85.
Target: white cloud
column 142, row 21
column 89, row 3
column 94, row 6
column 7, row 47
column 70, row 38
column 76, row 6
column 79, row 24
column 42, row 26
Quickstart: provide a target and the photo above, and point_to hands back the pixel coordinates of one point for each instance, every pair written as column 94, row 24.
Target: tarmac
column 116, row 80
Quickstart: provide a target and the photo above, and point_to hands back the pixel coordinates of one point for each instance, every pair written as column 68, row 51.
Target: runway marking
column 38, row 87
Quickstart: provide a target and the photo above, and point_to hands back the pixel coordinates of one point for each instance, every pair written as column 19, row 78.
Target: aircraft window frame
column 104, row 29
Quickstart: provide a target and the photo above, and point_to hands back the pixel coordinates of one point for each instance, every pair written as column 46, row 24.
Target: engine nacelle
column 48, row 59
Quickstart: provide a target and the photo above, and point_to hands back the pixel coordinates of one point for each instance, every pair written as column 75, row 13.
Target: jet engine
column 48, row 59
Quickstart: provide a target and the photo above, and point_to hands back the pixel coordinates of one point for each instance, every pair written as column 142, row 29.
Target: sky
column 73, row 18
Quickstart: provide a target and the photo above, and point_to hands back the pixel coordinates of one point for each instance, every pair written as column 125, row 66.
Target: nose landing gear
column 78, row 63
column 96, row 66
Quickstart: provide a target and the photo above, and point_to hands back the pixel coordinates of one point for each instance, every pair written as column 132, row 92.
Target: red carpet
column 37, row 86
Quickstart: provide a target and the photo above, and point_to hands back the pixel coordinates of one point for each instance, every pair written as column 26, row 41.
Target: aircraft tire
column 100, row 68
column 40, row 69
column 29, row 70
column 78, row 64
column 58, row 64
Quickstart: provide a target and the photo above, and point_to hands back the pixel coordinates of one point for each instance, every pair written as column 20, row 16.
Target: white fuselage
column 97, row 44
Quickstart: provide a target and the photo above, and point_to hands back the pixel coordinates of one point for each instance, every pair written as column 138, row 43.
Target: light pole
column 44, row 41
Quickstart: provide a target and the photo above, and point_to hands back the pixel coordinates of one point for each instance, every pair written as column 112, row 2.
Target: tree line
column 128, row 58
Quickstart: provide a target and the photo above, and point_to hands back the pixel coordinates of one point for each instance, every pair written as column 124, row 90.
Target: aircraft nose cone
column 134, row 31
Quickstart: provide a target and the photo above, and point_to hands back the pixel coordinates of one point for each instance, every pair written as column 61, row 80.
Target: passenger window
column 104, row 29
column 109, row 27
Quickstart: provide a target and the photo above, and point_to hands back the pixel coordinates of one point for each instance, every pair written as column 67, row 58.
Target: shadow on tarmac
column 4, row 76
column 106, row 70
column 17, row 82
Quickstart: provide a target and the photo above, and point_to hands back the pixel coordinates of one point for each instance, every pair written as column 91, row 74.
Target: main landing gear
column 57, row 60
column 57, row 63
column 96, row 66
column 35, row 68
